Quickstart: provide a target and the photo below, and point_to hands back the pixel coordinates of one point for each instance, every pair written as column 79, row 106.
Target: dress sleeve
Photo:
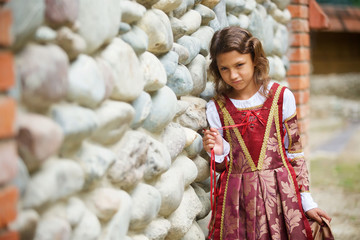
column 214, row 121
column 294, row 150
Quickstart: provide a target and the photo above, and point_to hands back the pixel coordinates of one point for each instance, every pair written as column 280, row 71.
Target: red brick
column 298, row 69
column 352, row 24
column 299, row 25
column 299, row 83
column 8, row 161
column 299, row 54
column 302, row 97
column 302, row 111
column 5, row 27
column 299, row 11
column 317, row 18
column 7, row 73
column 305, row 2
column 9, row 235
column 8, row 205
column 300, row 40
column 7, row 117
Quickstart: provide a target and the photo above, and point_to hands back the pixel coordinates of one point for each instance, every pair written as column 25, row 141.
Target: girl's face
column 237, row 70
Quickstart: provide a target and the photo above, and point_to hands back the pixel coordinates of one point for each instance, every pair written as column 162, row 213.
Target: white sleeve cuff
column 226, row 150
column 307, row 201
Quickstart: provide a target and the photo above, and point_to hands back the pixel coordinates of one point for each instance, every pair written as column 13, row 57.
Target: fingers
column 209, row 138
column 325, row 215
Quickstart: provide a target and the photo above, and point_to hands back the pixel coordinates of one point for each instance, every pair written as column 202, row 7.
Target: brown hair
column 238, row 39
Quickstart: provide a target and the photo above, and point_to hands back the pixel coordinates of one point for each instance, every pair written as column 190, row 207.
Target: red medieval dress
column 258, row 191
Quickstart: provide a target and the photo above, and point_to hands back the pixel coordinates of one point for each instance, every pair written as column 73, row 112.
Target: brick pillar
column 298, row 75
column 9, row 194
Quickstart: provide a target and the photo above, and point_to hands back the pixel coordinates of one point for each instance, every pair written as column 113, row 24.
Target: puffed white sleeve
column 213, row 119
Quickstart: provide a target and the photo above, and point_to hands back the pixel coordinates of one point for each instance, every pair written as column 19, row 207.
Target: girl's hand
column 213, row 139
column 316, row 214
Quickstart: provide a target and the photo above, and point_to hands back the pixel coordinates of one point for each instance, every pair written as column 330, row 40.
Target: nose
column 233, row 74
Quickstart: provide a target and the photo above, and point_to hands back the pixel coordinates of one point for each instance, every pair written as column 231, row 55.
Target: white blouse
column 289, row 108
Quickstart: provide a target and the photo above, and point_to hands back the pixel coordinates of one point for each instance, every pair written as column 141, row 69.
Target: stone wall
column 110, row 102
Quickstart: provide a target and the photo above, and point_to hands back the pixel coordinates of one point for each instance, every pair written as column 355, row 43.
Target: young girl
column 263, row 189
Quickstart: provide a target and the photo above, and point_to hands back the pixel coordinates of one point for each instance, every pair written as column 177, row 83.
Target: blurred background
column 334, row 131
column 102, row 105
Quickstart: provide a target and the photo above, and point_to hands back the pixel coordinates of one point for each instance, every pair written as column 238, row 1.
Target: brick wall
column 298, row 75
column 8, row 161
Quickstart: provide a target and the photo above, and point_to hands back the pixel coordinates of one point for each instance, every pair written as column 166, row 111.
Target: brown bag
column 322, row 232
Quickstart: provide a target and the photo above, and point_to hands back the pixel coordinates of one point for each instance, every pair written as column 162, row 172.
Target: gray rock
column 45, row 34
column 204, row 34
column 157, row 229
column 131, row 11
column 256, row 26
column 167, row 5
column 210, row 3
column 89, row 228
column 124, row 28
column 158, row 159
column 27, row 17
column 192, row 44
column 25, row 223
column 147, row 3
column 118, row 226
column 196, row 147
column 131, row 153
column 282, row 37
column 57, row 179
column 197, row 69
column 63, row 12
column 204, row 199
column 194, row 233
column 71, row 42
column 174, row 139
column 178, row 27
column 209, row 91
column 268, row 44
column 250, row 5
column 43, row 84
column 182, row 52
column 232, row 20
column 202, row 167
column 192, row 21
column 95, row 161
column 182, row 219
column 86, row 83
column 39, row 137
column 22, row 177
column 129, row 82
column 162, row 110
column 194, row 117
column 157, row 26
column 181, row 9
column 137, row 39
column 52, row 228
column 146, row 205
column 220, row 12
column 206, row 13
column 96, row 32
column 105, row 202
column 154, row 72
column 282, row 4
column 235, row 7
column 170, row 61
column 142, row 106
column 181, row 82
column 244, row 21
column 108, row 76
column 74, row 131
column 187, row 167
column 114, row 119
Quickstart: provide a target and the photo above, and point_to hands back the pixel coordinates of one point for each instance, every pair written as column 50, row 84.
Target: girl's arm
column 222, row 147
column 294, row 150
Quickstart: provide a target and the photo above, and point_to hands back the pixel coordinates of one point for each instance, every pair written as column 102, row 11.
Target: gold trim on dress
column 250, row 108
